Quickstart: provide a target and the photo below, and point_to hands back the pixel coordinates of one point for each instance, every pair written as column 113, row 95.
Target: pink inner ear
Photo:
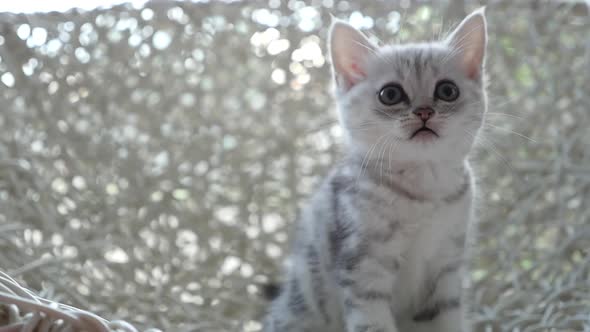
column 356, row 69
column 472, row 66
column 473, row 73
column 354, row 74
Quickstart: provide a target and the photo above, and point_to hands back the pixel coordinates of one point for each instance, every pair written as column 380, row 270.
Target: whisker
column 489, row 144
column 379, row 159
column 511, row 131
column 397, row 142
column 384, row 113
column 367, row 47
column 382, row 156
column 321, row 127
column 368, row 155
column 506, row 114
column 361, row 126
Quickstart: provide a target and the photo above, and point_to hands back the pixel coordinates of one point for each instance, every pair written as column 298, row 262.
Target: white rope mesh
column 152, row 160
column 21, row 310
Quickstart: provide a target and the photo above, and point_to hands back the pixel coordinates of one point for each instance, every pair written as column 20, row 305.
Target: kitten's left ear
column 469, row 41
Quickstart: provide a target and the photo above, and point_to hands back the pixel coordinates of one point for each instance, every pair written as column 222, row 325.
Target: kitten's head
column 411, row 102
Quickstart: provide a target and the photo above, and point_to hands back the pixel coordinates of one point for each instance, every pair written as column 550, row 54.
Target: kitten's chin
column 424, row 135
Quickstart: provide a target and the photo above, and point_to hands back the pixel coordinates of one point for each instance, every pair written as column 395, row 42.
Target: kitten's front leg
column 443, row 311
column 451, row 318
column 368, row 316
column 445, row 317
column 366, row 289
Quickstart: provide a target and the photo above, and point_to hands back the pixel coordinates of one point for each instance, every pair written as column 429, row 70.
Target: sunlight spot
column 227, row 214
column 278, row 76
column 180, row 194
column 230, row 264
column 252, row 326
column 38, row 37
column 264, row 38
column 393, row 22
column 277, row 46
column 116, row 255
column 79, row 183
column 112, row 189
column 82, row 55
column 309, row 51
column 8, row 79
column 273, row 251
column 229, row 142
column 161, row 40
column 271, row 222
column 359, row 21
column 147, row 14
column 24, row 31
column 59, row 185
column 265, row 17
column 309, row 19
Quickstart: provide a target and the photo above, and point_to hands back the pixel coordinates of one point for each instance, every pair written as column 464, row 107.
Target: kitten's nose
column 424, row 113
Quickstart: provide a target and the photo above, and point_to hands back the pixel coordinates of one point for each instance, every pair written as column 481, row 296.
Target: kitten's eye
column 447, row 91
column 391, row 94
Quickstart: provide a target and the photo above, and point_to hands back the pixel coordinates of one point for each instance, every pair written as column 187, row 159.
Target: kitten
column 380, row 247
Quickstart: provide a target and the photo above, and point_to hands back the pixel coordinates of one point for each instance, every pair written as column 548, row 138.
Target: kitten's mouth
column 424, row 131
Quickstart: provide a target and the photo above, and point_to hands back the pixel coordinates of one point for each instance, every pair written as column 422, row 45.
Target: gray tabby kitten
column 381, row 246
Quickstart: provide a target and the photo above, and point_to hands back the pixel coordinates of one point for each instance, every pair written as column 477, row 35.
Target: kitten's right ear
column 469, row 41
column 349, row 50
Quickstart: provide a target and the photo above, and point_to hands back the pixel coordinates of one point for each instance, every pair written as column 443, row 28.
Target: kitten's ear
column 349, row 50
column 469, row 41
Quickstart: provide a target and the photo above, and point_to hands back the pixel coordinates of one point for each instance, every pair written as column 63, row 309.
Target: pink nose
column 424, row 113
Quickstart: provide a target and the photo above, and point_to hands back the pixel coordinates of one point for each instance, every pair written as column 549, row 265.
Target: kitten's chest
column 433, row 231
column 428, row 227
column 430, row 243
column 418, row 224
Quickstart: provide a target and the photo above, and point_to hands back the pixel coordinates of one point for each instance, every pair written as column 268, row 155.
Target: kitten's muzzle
column 424, row 113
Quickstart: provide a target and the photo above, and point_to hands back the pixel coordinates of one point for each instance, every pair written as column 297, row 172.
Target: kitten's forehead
column 410, row 59
column 416, row 66
column 412, row 49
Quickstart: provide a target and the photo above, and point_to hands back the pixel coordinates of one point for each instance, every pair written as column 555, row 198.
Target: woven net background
column 153, row 159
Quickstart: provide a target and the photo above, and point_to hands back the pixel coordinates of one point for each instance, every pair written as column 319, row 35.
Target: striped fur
column 380, row 246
